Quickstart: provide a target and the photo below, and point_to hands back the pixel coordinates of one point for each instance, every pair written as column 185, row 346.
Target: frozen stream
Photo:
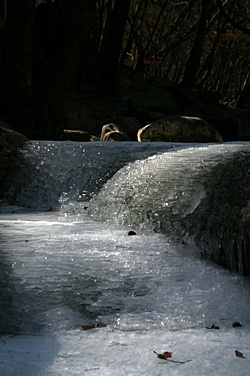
column 60, row 270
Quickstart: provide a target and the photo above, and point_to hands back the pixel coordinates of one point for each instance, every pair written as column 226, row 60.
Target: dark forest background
column 51, row 48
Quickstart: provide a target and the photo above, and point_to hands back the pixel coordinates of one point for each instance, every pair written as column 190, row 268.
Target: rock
column 224, row 119
column 131, row 233
column 123, row 79
column 130, row 125
column 114, row 136
column 76, row 135
column 128, row 80
column 111, row 132
column 79, row 117
column 244, row 127
column 151, row 104
column 10, row 142
column 179, row 129
column 119, row 107
column 236, row 324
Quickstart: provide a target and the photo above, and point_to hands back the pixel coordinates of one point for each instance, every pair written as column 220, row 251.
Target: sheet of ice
column 54, row 173
column 146, row 293
column 106, row 352
column 197, row 192
column 167, row 185
column 61, row 270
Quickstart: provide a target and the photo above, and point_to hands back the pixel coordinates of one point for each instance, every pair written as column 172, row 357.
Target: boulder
column 10, row 142
column 79, row 117
column 111, row 132
column 179, row 129
column 127, row 124
column 119, row 107
column 244, row 127
column 151, row 104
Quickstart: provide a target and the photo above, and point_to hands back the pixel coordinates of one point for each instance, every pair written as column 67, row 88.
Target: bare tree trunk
column 111, row 51
column 194, row 59
column 17, row 60
column 2, row 9
column 59, row 55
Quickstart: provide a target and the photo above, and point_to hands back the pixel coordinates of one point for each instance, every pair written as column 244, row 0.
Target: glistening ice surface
column 60, row 270
column 146, row 293
column 199, row 192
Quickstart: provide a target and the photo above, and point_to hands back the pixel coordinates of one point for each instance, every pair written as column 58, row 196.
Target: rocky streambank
column 10, row 142
column 142, row 112
column 162, row 112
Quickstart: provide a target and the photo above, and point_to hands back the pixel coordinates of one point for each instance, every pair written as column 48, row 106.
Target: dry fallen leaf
column 131, row 232
column 164, row 355
column 214, row 327
column 236, row 324
column 239, row 354
column 167, row 354
column 88, row 327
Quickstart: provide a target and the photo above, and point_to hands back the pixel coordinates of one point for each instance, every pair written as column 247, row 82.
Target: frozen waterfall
column 67, row 262
column 196, row 192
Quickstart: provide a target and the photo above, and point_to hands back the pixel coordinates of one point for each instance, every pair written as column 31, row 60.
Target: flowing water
column 67, row 261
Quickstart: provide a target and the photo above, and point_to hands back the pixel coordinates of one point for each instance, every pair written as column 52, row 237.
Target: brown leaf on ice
column 236, row 324
column 88, row 327
column 239, row 354
column 164, row 355
column 167, row 354
column 215, row 327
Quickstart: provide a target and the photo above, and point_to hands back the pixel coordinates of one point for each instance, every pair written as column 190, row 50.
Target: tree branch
column 230, row 20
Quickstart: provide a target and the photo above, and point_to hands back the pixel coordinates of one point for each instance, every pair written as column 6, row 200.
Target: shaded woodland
column 52, row 48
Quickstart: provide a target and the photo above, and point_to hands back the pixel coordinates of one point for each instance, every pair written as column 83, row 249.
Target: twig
column 109, row 362
column 178, row 361
column 129, row 330
column 117, row 343
column 91, row 369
